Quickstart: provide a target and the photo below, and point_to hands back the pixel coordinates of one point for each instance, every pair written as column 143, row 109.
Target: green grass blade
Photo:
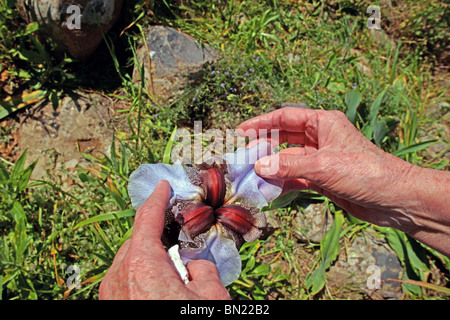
column 168, row 149
column 414, row 148
column 424, row 284
column 106, row 216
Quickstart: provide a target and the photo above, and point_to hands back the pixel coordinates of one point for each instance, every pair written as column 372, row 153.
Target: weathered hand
column 143, row 270
column 337, row 161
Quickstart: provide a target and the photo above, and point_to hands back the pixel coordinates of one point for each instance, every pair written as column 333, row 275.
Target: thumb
column 205, row 280
column 288, row 166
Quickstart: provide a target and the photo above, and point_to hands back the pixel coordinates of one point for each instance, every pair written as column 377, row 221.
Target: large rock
column 367, row 265
column 174, row 56
column 97, row 17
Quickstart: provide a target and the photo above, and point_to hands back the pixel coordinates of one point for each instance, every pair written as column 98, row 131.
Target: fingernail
column 264, row 162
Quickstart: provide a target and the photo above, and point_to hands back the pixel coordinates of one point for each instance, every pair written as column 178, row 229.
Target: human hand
column 142, row 269
column 337, row 161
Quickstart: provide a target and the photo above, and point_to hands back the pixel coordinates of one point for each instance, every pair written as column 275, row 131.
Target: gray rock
column 173, row 56
column 382, row 39
column 56, row 137
column 97, row 17
column 313, row 222
column 367, row 264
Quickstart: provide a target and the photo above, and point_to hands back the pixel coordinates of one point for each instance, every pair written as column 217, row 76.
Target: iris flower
column 214, row 207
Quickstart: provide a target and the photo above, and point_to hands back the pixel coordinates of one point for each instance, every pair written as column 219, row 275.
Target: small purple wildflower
column 223, row 85
column 251, row 70
column 247, row 75
column 354, row 85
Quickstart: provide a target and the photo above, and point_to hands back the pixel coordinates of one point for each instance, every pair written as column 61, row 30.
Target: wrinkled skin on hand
column 143, row 270
column 337, row 161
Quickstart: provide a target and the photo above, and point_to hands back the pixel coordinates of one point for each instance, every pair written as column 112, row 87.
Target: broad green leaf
column 380, row 131
column 352, row 100
column 373, row 114
column 329, row 246
column 4, row 174
column 261, row 270
column 316, row 281
column 411, row 256
column 282, row 201
column 17, row 212
column 32, row 27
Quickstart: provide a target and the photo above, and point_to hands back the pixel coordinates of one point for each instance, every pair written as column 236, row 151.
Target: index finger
column 149, row 220
column 288, row 119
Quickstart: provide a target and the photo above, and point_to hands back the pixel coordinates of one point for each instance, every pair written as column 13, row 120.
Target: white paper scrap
column 179, row 265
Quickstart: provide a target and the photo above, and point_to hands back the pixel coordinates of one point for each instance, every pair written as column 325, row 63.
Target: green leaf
column 17, row 212
column 4, row 174
column 373, row 114
column 21, row 240
column 32, row 27
column 261, row 270
column 410, row 254
column 168, row 150
column 107, row 216
column 282, row 201
column 414, row 148
column 352, row 100
column 18, row 167
column 25, row 176
column 316, row 281
column 329, row 246
column 12, row 104
column 380, row 131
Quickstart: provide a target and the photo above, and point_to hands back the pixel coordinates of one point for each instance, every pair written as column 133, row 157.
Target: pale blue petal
column 144, row 179
column 217, row 247
column 247, row 186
